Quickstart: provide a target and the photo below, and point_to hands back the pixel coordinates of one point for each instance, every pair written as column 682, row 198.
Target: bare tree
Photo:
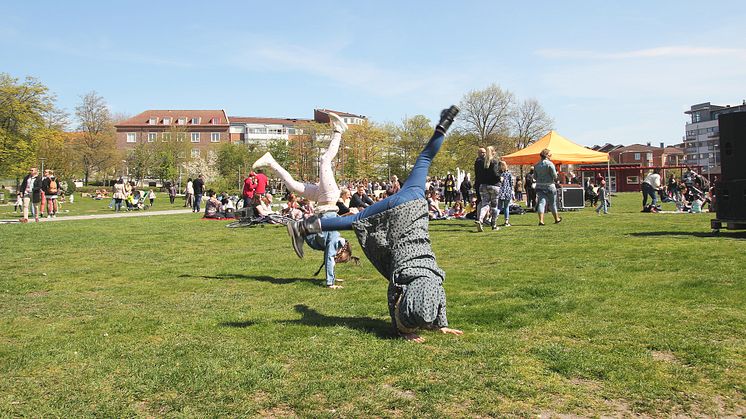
column 56, row 119
column 487, row 113
column 96, row 148
column 530, row 122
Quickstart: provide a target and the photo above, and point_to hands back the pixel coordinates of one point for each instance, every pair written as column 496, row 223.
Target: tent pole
column 608, row 174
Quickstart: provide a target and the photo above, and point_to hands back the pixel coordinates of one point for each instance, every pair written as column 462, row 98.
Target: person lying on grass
column 394, row 235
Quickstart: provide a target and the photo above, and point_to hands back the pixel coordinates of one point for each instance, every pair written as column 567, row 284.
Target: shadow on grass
column 260, row 278
column 730, row 235
column 311, row 317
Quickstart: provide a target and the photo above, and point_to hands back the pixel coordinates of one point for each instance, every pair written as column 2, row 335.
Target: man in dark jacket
column 530, row 189
column 199, row 189
column 30, row 190
column 359, row 199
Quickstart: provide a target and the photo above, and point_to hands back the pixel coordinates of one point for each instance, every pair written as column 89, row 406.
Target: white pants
column 327, row 191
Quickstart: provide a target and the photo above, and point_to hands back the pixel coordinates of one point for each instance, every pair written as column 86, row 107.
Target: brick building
column 201, row 129
column 647, row 155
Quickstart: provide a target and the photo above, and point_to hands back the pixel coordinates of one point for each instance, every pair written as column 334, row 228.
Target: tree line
column 33, row 129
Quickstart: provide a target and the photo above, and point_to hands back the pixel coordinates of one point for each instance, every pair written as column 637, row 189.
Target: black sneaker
column 446, row 118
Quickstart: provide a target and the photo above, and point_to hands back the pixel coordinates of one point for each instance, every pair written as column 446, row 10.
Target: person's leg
column 308, row 190
column 504, row 205
column 494, row 212
column 26, row 204
column 644, row 195
column 328, row 189
column 552, row 203
column 413, row 188
column 541, row 202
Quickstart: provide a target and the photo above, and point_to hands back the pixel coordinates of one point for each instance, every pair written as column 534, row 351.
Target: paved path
column 98, row 216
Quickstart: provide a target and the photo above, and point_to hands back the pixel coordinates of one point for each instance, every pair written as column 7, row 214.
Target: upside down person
column 326, row 193
column 394, row 236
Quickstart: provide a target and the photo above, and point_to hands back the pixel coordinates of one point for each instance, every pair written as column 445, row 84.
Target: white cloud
column 658, row 52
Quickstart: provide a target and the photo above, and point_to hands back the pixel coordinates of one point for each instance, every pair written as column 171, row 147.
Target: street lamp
column 127, row 170
column 42, row 163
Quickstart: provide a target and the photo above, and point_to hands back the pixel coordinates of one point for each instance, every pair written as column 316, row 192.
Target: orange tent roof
column 563, row 150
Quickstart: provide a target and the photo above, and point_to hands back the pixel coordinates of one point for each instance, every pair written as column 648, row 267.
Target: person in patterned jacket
column 394, row 235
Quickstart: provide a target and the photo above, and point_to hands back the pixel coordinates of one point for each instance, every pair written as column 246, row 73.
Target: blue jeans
column 602, row 207
column 546, row 197
column 197, row 201
column 413, row 188
column 504, row 206
column 329, row 242
column 647, row 190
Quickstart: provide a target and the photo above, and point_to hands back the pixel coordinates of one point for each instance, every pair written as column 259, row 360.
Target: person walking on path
column 546, row 191
column 394, row 235
column 199, row 187
column 119, row 195
column 51, row 187
column 189, row 194
column 171, row 192
column 31, row 191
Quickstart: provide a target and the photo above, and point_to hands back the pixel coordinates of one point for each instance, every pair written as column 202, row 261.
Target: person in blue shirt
column 546, row 192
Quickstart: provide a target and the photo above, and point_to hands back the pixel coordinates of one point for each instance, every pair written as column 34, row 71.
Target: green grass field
column 90, row 206
column 625, row 314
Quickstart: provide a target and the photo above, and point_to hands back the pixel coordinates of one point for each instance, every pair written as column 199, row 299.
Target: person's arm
column 367, row 200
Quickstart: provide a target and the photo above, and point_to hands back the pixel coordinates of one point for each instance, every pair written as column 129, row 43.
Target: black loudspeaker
column 572, row 196
column 731, row 199
column 732, row 145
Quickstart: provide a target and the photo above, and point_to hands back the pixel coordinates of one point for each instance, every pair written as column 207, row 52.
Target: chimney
column 663, row 145
column 648, row 143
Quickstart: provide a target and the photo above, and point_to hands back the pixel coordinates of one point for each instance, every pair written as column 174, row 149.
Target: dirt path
column 98, row 216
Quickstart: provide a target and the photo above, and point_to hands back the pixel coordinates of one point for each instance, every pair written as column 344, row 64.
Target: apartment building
column 201, row 129
column 702, row 139
column 255, row 130
column 647, row 155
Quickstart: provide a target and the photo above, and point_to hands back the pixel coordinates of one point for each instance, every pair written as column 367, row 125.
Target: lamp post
column 126, row 170
column 42, row 163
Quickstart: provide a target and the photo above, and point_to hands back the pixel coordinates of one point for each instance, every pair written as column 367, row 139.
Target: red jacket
column 261, row 183
column 249, row 186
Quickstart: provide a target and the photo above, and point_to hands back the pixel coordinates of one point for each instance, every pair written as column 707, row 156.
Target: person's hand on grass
column 449, row 331
column 412, row 337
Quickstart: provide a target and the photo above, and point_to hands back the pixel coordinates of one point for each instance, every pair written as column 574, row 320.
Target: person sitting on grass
column 395, row 237
column 213, row 207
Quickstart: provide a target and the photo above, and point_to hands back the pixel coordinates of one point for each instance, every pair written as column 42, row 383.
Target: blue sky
column 606, row 71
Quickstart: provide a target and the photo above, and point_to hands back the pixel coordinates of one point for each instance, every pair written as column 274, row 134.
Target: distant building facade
column 203, row 130
column 702, row 139
column 647, row 155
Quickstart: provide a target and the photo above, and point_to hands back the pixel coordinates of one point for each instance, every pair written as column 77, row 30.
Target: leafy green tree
column 413, row 134
column 22, row 109
column 363, row 147
column 232, row 158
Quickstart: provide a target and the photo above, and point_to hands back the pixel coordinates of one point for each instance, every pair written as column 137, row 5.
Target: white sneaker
column 265, row 160
column 337, row 123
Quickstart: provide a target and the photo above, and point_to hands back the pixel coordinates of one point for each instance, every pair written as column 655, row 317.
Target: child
column 151, row 197
column 602, row 201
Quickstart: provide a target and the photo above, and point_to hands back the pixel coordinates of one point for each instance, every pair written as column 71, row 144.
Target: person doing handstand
column 326, row 193
column 394, row 236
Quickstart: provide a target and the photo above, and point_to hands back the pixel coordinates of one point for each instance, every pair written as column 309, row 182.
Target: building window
column 152, row 121
column 181, row 154
column 152, row 136
column 181, row 121
column 166, row 121
column 633, row 180
column 637, row 156
column 180, row 136
column 195, row 121
column 215, row 137
column 131, row 137
column 195, row 153
column 166, row 137
column 650, row 156
column 195, row 137
column 215, row 121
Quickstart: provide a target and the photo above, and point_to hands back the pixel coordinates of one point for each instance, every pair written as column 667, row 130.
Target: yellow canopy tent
column 563, row 151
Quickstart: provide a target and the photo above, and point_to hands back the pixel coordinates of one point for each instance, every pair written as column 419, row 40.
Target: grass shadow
column 311, row 317
column 731, row 235
column 247, row 323
column 260, row 278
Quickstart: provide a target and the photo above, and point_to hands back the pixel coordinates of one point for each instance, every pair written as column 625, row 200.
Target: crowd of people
column 37, row 194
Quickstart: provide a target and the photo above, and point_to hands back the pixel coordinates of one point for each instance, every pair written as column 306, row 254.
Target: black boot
column 297, row 230
column 446, row 118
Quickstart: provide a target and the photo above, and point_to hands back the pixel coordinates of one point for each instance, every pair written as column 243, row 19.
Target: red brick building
column 201, row 129
column 647, row 155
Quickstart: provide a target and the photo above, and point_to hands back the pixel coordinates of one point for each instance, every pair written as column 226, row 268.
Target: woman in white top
column 189, row 194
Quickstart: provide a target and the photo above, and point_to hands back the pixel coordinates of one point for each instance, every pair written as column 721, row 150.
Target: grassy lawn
column 90, row 206
column 625, row 314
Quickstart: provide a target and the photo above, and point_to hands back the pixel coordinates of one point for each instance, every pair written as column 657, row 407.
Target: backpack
column 52, row 186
